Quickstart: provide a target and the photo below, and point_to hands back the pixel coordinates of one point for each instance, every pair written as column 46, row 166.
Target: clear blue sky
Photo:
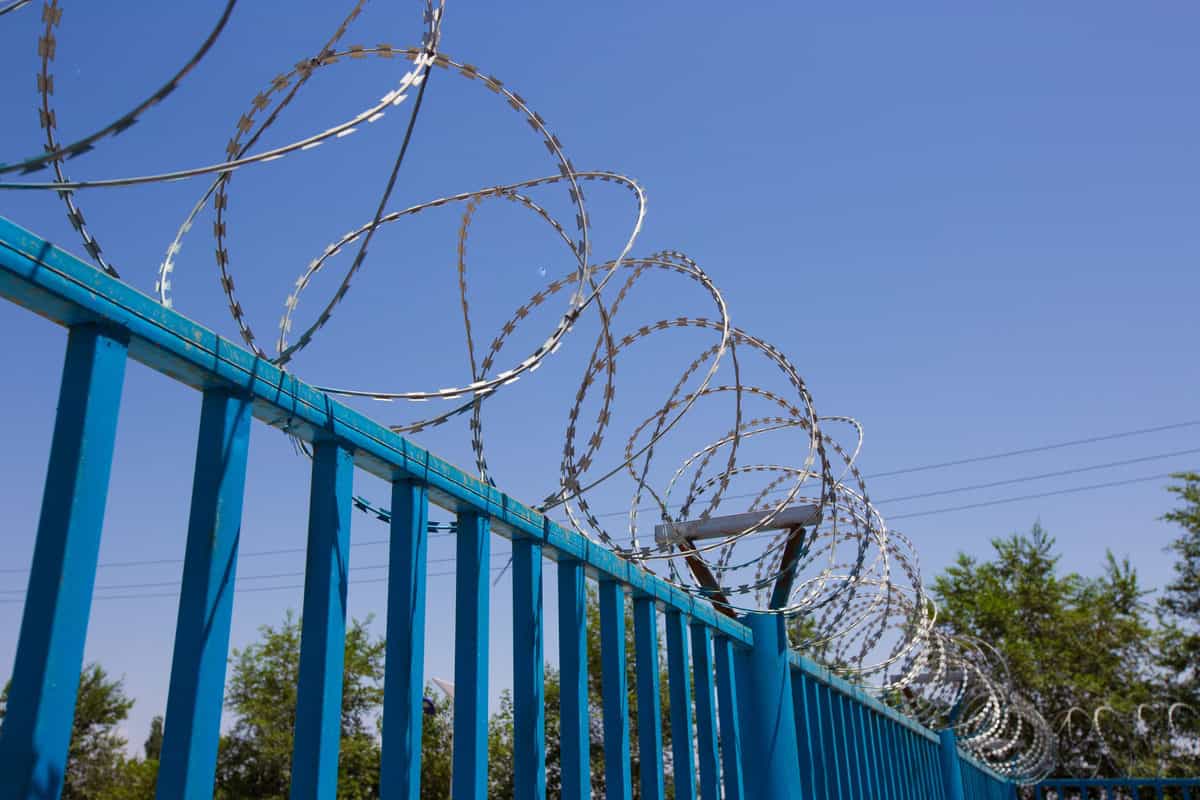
column 974, row 229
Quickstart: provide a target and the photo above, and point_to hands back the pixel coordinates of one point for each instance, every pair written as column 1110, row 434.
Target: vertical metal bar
column 645, row 639
column 575, row 745
column 875, row 721
column 727, row 703
column 680, row 684
column 829, row 744
column 766, row 709
column 404, row 665
column 617, row 781
column 529, row 716
column 952, row 780
column 908, row 742
column 323, row 632
column 870, row 761
column 803, row 742
column 41, row 700
column 706, row 712
column 471, row 609
column 816, row 737
column 853, row 747
column 845, row 744
column 892, row 759
column 188, row 763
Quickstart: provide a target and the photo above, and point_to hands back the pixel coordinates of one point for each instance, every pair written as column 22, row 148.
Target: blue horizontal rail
column 747, row 718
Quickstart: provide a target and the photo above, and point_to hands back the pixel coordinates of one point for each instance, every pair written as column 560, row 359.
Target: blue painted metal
column 618, row 783
column 820, row 760
column 803, row 742
column 529, row 715
column 731, row 736
column 404, row 664
column 767, row 713
column 187, row 766
column 680, row 684
column 323, row 625
column 645, row 639
column 55, row 284
column 952, row 780
column 866, row 758
column 41, row 704
column 706, row 712
column 469, row 780
column 845, row 769
column 846, row 744
column 575, row 747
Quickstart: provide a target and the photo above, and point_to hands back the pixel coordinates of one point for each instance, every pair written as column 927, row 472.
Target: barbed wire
column 850, row 585
column 1130, row 738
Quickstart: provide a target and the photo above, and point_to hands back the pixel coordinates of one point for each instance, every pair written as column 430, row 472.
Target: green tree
column 1179, row 605
column 255, row 758
column 1068, row 639
column 437, row 737
column 500, row 728
column 153, row 745
column 135, row 780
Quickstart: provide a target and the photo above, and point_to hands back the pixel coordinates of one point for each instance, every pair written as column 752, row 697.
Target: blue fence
column 1123, row 789
column 749, row 719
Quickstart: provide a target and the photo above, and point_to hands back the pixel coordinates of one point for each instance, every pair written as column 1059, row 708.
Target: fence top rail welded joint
column 51, row 282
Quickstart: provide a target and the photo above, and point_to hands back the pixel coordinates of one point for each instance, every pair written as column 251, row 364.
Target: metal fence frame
column 763, row 721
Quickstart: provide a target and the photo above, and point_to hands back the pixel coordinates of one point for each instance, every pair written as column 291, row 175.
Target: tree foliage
column 1069, row 640
column 255, row 757
column 1179, row 605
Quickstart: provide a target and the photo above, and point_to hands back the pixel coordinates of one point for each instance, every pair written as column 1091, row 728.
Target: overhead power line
column 238, row 590
column 931, row 512
column 993, row 484
column 1057, row 474
column 436, row 528
column 1054, row 493
column 1039, row 449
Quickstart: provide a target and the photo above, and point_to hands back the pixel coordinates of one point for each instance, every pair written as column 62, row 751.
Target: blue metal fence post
column 768, row 730
column 618, row 784
column 645, row 636
column 323, row 625
column 574, row 726
column 404, row 663
column 529, row 715
column 731, row 737
column 187, row 766
column 952, row 781
column 706, row 712
column 471, row 610
column 680, row 684
column 41, row 700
